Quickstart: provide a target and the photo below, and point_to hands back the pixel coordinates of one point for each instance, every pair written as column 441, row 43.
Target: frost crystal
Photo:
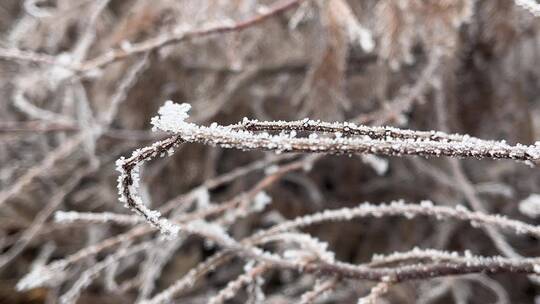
column 202, row 198
column 171, row 116
column 531, row 5
column 380, row 165
column 261, row 200
column 530, row 206
column 41, row 276
column 362, row 36
column 211, row 231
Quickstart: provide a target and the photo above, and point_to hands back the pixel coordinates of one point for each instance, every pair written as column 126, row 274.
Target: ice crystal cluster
column 530, row 206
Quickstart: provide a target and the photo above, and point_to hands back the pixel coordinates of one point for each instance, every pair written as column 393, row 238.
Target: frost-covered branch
column 455, row 266
column 415, row 255
column 132, row 49
column 177, row 36
column 399, row 208
column 442, row 264
column 530, row 206
column 22, row 55
column 90, row 274
column 103, row 217
column 251, row 274
column 128, row 183
column 376, row 292
column 46, row 164
column 352, row 129
column 382, row 141
column 319, row 290
column 385, row 141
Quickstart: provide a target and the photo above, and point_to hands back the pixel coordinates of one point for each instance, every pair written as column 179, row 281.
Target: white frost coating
column 102, row 217
column 299, row 256
column 171, row 117
column 360, row 35
column 376, row 292
column 261, row 200
column 357, row 33
column 465, row 258
column 379, row 164
column 202, row 198
column 310, row 245
column 41, row 276
column 388, row 141
column 151, row 216
column 58, row 73
column 32, row 8
column 249, row 277
column 211, row 231
column 416, row 253
column 271, row 170
column 86, row 278
column 348, row 138
column 399, row 208
column 25, row 106
column 530, row 5
column 530, row 206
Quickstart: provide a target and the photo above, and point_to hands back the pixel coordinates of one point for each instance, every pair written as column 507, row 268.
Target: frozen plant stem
column 128, row 183
column 345, row 138
column 443, row 263
column 373, row 140
column 149, row 45
column 179, row 36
